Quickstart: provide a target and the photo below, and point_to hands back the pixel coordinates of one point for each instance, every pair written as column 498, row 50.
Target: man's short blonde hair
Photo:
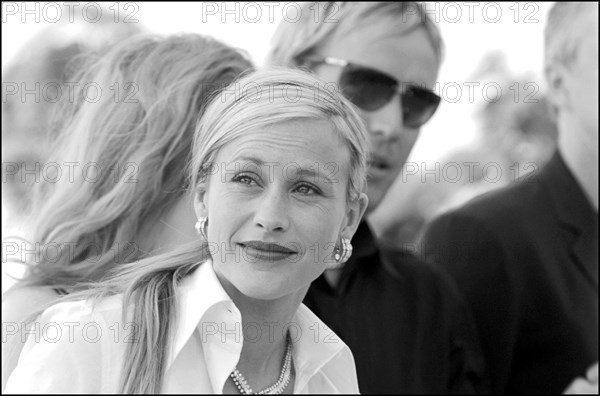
column 320, row 21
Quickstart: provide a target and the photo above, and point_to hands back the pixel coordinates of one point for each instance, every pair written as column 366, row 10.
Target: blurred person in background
column 408, row 328
column 135, row 201
column 526, row 256
column 35, row 82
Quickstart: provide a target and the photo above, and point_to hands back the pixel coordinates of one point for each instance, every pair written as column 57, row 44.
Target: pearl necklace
column 278, row 387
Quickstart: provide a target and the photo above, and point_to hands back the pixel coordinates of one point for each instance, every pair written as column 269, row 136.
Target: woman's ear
column 354, row 215
column 200, row 198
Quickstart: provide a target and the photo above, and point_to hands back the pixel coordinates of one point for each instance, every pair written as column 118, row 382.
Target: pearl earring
column 201, row 226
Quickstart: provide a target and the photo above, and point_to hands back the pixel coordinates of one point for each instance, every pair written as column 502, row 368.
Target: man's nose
column 386, row 123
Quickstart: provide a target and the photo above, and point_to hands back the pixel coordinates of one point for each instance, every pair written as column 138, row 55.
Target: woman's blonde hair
column 257, row 100
column 126, row 137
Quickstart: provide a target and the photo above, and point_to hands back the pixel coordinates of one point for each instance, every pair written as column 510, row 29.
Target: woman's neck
column 265, row 325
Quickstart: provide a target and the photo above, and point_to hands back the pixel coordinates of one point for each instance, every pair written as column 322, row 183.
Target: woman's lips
column 269, row 251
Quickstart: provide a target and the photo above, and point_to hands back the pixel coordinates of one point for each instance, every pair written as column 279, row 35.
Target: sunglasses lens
column 418, row 105
column 367, row 89
column 370, row 90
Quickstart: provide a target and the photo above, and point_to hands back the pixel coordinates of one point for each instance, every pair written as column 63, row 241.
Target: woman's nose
column 272, row 212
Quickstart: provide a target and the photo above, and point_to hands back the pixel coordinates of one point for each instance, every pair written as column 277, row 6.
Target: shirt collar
column 365, row 250
column 363, row 241
column 195, row 295
column 200, row 297
column 315, row 345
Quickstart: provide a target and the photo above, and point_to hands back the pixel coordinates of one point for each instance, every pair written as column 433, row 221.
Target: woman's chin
column 265, row 283
column 259, row 291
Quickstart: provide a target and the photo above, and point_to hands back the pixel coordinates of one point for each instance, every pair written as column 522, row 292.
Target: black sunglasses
column 370, row 90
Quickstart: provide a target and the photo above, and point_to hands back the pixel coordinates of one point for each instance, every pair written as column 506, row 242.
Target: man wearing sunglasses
column 528, row 262
column 407, row 326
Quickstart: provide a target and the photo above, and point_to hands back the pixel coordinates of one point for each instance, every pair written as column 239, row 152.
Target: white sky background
column 469, row 30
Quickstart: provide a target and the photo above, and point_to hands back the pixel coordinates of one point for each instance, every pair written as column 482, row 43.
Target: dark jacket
column 526, row 258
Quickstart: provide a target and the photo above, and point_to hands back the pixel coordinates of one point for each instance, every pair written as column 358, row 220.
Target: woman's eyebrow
column 244, row 159
column 323, row 173
column 317, row 175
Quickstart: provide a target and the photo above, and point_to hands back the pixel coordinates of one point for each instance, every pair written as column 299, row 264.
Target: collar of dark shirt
column 568, row 198
column 364, row 246
column 363, row 243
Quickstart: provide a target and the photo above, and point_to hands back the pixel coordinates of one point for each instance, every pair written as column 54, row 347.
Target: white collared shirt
column 73, row 348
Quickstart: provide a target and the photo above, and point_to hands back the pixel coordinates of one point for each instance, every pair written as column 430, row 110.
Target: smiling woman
column 279, row 208
column 278, row 170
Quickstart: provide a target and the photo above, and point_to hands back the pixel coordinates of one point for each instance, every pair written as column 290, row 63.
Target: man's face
column 581, row 80
column 410, row 59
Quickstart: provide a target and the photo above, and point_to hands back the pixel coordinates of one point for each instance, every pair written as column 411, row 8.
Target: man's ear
column 354, row 215
column 200, row 198
column 556, row 76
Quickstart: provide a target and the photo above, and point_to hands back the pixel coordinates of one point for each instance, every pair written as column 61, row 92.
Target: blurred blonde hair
column 149, row 285
column 137, row 134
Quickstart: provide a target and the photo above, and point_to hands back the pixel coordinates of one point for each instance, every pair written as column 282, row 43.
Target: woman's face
column 276, row 206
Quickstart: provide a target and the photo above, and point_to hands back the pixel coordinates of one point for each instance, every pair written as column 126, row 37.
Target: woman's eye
column 244, row 179
column 306, row 189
